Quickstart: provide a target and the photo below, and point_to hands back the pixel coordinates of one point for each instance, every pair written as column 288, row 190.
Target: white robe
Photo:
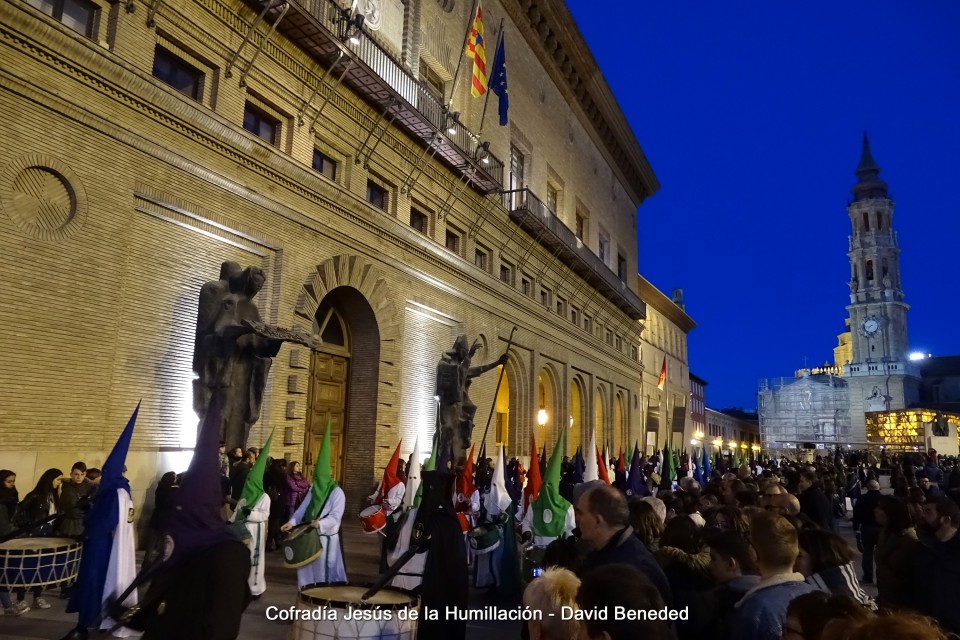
column 122, row 566
column 329, row 566
column 411, row 575
column 391, row 501
column 542, row 541
column 257, row 526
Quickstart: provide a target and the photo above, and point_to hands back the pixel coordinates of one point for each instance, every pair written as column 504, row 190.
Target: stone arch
column 361, row 291
column 620, row 422
column 518, row 436
column 579, row 403
column 600, row 416
column 551, row 395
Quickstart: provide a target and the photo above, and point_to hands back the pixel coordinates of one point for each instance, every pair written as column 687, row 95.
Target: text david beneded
column 481, row 613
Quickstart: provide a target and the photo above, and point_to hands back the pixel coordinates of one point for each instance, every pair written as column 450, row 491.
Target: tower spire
column 869, row 185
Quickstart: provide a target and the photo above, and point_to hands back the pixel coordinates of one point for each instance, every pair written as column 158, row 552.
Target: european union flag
column 498, row 81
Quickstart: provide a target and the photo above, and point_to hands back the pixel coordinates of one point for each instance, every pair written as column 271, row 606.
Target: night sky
column 751, row 115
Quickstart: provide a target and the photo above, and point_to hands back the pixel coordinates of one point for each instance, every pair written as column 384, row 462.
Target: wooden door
column 328, row 401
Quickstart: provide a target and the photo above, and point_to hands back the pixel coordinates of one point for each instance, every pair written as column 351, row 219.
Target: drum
column 372, row 519
column 301, row 547
column 464, row 521
column 335, row 611
column 484, row 538
column 532, row 563
column 38, row 562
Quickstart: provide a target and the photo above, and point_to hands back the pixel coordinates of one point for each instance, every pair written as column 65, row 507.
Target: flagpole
column 456, row 74
column 486, row 99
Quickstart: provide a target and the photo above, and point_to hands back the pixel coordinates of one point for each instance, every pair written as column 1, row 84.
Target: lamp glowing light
column 694, row 442
column 717, row 442
column 918, row 355
column 542, row 417
column 732, row 444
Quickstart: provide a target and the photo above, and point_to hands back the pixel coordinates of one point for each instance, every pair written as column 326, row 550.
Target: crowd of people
column 746, row 549
column 755, row 551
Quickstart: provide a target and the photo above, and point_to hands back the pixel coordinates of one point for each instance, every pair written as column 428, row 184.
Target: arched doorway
column 619, row 432
column 546, row 415
column 343, row 384
column 575, row 432
column 598, row 418
column 502, row 403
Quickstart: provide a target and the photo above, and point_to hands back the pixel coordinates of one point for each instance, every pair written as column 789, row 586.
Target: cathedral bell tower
column 880, row 375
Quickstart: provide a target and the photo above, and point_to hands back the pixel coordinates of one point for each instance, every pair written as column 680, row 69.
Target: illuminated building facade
column 349, row 161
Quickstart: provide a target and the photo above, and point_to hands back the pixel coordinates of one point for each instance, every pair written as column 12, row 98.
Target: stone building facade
column 153, row 141
column 664, row 340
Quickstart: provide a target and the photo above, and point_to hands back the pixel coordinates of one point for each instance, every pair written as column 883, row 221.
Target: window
column 526, row 286
column 506, row 273
column 621, row 267
column 553, row 198
column 517, row 182
column 618, row 342
column 604, row 246
column 545, row 297
column 575, row 316
column 178, row 73
column 260, row 123
column 324, row 164
column 879, row 222
column 79, row 15
column 452, row 241
column 481, row 259
column 561, row 307
column 587, row 323
column 866, row 221
column 869, row 270
column 432, row 82
column 376, row 195
column 608, row 337
column 419, row 221
column 581, row 226
column 634, row 353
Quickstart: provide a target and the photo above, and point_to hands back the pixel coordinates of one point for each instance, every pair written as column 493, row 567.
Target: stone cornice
column 551, row 32
column 666, row 307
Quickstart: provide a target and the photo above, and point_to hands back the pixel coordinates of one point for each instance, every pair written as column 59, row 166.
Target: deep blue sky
column 751, row 115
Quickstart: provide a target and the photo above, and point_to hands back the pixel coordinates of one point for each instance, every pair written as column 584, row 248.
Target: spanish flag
column 475, row 50
column 663, row 374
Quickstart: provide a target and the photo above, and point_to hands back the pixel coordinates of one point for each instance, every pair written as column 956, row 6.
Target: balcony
column 534, row 217
column 315, row 26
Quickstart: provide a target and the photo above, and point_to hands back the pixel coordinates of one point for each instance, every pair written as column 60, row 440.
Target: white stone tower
column 880, row 375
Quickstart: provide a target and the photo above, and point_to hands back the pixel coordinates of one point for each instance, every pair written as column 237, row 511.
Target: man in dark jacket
column 73, row 501
column 602, row 519
column 813, row 501
column 936, row 579
column 866, row 528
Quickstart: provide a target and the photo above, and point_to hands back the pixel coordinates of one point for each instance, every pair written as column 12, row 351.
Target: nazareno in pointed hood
column 550, row 509
column 390, row 477
column 253, row 487
column 195, row 523
column 101, row 523
column 323, row 482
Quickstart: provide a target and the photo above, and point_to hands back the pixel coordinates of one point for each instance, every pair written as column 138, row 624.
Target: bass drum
column 38, row 562
column 324, row 609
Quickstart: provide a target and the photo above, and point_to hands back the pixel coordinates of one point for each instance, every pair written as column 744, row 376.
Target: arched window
column 869, row 270
column 866, row 221
column 879, row 222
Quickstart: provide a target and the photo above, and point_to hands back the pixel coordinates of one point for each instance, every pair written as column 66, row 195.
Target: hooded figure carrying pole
column 253, row 510
column 199, row 590
column 108, row 564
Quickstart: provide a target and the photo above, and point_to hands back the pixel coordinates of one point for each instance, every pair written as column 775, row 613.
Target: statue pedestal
column 945, row 445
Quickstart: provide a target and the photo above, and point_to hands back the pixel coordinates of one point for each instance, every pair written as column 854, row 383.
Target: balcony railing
column 317, row 26
column 536, row 218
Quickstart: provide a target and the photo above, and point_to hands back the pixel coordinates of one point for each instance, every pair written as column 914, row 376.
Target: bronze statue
column 454, row 376
column 234, row 350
